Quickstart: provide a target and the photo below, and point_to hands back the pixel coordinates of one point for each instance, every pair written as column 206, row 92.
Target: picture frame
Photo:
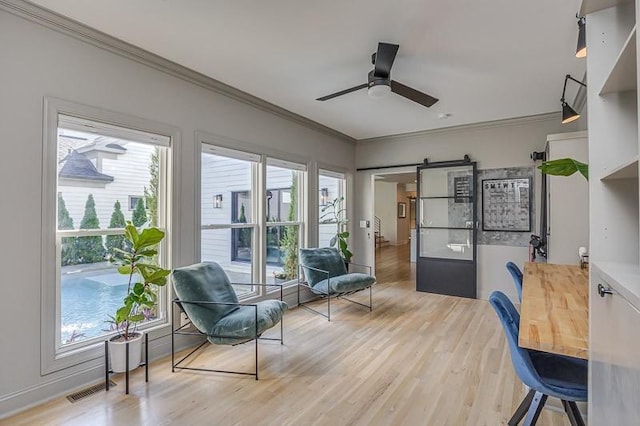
column 402, row 210
column 506, row 204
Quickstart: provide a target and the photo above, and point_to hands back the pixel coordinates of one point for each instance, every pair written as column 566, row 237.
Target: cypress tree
column 244, row 236
column 290, row 238
column 151, row 193
column 117, row 221
column 139, row 216
column 90, row 249
column 65, row 221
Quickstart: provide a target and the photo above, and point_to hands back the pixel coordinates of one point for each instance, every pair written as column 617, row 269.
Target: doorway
column 394, row 226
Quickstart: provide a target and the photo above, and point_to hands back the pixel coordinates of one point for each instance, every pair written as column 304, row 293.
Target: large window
column 254, row 238
column 331, row 187
column 283, row 213
column 227, row 213
column 98, row 167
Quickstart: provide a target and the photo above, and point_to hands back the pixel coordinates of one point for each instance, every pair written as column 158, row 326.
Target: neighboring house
column 108, row 168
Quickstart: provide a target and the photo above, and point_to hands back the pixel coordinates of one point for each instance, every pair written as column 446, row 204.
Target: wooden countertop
column 554, row 315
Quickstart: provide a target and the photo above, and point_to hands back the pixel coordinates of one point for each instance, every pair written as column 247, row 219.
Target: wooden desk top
column 554, row 315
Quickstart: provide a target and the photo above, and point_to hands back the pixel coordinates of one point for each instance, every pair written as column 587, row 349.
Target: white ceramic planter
column 117, row 353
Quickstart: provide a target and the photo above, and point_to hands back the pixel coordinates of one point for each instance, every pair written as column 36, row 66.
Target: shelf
column 626, row 170
column 590, row 6
column 624, row 278
column 623, row 76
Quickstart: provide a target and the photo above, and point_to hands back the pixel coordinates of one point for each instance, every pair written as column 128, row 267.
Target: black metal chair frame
column 181, row 330
column 329, row 296
column 532, row 406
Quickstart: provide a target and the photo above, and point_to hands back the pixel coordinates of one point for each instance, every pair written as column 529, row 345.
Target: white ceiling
column 484, row 60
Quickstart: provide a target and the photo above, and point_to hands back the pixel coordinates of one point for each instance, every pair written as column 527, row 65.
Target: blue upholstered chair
column 209, row 301
column 516, row 274
column 326, row 275
column 546, row 374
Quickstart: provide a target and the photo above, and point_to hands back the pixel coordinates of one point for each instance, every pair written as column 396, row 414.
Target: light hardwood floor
column 417, row 359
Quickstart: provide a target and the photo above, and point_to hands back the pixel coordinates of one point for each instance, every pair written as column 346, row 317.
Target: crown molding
column 550, row 116
column 77, row 30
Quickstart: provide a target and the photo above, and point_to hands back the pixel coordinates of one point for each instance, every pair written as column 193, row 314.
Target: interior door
column 446, row 228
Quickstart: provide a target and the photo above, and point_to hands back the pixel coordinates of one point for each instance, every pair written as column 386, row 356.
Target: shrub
column 117, row 221
column 139, row 216
column 68, row 256
column 89, row 249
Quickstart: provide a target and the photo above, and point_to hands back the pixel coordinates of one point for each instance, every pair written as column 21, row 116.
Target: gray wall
column 494, row 145
column 39, row 62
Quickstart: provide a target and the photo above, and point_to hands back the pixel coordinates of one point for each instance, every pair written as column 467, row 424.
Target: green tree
column 65, row 221
column 244, row 234
column 290, row 238
column 117, row 221
column 151, row 193
column 90, row 249
column 139, row 216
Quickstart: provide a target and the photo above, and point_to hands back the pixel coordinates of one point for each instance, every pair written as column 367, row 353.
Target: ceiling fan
column 379, row 79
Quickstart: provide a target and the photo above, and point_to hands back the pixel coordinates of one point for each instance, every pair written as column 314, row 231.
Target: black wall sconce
column 581, row 49
column 568, row 113
column 217, row 201
column 324, row 196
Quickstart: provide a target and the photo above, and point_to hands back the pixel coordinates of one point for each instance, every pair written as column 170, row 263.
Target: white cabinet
column 614, row 231
column 614, row 350
column 568, row 226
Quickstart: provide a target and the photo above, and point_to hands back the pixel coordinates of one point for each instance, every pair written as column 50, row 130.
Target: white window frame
column 54, row 356
column 221, row 145
column 322, row 171
column 302, row 205
column 256, row 164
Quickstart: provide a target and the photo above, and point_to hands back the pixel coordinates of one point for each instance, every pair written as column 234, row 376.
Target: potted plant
column 137, row 262
column 333, row 212
column 564, row 167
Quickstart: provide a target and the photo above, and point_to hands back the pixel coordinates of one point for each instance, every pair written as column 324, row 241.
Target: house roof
column 77, row 166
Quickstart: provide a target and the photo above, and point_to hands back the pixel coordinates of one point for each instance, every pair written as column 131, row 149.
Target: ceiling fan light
column 379, row 91
column 568, row 114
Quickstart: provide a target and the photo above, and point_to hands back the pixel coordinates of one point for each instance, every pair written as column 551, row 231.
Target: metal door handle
column 603, row 291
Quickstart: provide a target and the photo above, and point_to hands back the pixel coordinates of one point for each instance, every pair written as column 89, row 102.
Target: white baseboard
column 24, row 399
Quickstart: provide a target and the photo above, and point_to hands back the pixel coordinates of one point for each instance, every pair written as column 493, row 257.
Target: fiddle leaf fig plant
column 333, row 212
column 564, row 167
column 144, row 276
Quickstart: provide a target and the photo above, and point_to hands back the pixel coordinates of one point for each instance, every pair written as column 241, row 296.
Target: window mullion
column 260, row 241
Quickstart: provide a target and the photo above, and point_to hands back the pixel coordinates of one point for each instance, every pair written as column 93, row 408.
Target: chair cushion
column 344, row 283
column 326, row 258
column 565, row 377
column 239, row 326
column 208, row 282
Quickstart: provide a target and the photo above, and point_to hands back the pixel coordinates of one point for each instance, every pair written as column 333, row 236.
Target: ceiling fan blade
column 413, row 94
column 342, row 92
column 384, row 58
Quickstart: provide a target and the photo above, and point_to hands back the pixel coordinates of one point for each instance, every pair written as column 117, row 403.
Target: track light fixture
column 581, row 50
column 568, row 113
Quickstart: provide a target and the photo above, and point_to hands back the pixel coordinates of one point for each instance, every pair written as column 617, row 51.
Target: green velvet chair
column 207, row 298
column 325, row 274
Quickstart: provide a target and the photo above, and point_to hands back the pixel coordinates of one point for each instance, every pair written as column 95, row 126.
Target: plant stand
column 107, row 371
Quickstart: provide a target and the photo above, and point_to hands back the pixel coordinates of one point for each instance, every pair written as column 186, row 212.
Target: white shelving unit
column 614, row 220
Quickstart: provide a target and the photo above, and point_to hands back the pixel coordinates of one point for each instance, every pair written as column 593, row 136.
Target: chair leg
column 571, row 408
column 535, row 409
column 329, row 307
column 256, row 340
column 522, row 409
